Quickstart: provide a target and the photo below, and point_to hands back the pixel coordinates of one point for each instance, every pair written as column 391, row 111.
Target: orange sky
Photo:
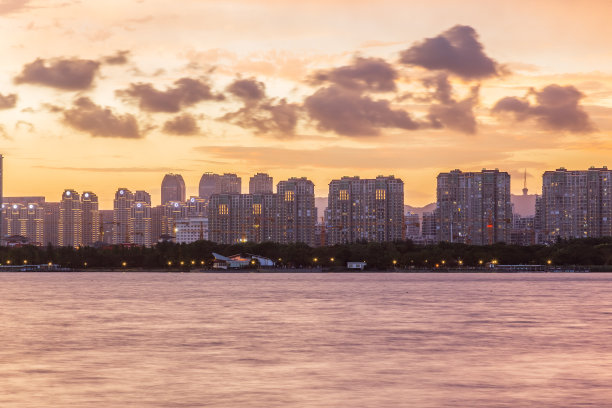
column 89, row 97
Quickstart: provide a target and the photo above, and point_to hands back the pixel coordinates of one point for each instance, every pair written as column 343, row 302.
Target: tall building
column 12, row 215
column 51, row 223
column 172, row 188
column 261, row 183
column 230, row 218
column 157, row 213
column 413, row 226
column 196, row 207
column 91, row 218
column 142, row 196
column 474, row 207
column 70, row 220
column 297, row 214
column 122, row 214
column 141, row 224
column 191, row 229
column 212, row 183
column 106, row 226
column 365, row 210
column 576, row 204
column 428, row 227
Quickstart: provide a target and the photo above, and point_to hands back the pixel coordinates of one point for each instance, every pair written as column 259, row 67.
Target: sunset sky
column 96, row 95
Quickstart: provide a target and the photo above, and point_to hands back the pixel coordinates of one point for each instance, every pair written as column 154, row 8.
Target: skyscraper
column 51, row 223
column 91, row 218
column 122, row 212
column 141, row 224
column 261, row 183
column 576, row 204
column 365, row 210
column 70, row 220
column 474, row 207
column 142, row 196
column 212, row 183
column 172, row 188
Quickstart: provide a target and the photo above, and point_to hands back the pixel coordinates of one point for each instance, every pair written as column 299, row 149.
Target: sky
column 97, row 95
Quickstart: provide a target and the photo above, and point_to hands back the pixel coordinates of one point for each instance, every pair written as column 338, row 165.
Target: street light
column 394, row 262
column 331, row 259
column 315, row 259
column 124, row 264
column 25, row 261
column 169, row 263
column 549, row 261
column 460, row 262
column 443, row 262
column 480, row 262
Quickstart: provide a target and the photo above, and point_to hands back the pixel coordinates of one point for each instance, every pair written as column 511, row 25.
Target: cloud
column 371, row 74
column 114, row 169
column 183, row 125
column 3, row 134
column 8, row 101
column 351, row 113
column 456, row 50
column 68, row 74
column 13, row 6
column 23, row 124
column 448, row 112
column 249, row 90
column 119, row 58
column 555, row 107
column 100, row 121
column 186, row 92
column 263, row 114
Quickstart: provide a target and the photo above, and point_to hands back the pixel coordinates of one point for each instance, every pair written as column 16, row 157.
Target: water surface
column 305, row 340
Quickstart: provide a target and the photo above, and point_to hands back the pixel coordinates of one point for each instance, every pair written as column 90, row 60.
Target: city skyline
column 89, row 96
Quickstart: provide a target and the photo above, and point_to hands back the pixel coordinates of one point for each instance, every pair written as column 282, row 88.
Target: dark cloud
column 269, row 116
column 100, row 121
column 249, row 90
column 186, row 92
column 184, row 125
column 264, row 115
column 119, row 58
column 351, row 113
column 456, row 50
column 67, row 74
column 555, row 107
column 448, row 112
column 8, row 101
column 372, row 74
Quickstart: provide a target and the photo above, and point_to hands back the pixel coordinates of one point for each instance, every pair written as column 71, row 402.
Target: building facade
column 70, row 231
column 576, row 204
column 211, row 183
column 474, row 207
column 140, row 219
column 91, row 218
column 122, row 214
column 261, row 183
column 369, row 210
column 172, row 188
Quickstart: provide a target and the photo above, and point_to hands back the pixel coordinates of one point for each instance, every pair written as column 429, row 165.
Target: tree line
column 593, row 252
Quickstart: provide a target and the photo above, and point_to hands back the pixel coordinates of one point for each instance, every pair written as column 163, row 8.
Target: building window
column 223, row 210
column 289, row 195
column 381, row 194
column 344, row 195
column 257, row 209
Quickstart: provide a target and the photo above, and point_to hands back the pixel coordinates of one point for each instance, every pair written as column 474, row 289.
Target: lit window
column 381, row 194
column 257, row 209
column 344, row 195
column 289, row 195
column 223, row 210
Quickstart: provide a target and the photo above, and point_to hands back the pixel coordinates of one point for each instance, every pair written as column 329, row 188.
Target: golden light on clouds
column 101, row 93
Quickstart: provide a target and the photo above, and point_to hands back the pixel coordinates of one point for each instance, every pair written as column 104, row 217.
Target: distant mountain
column 419, row 210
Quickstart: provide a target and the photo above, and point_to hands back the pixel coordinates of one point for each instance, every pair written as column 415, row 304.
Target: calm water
column 301, row 340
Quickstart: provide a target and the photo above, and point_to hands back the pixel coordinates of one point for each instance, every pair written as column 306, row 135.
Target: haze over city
column 94, row 95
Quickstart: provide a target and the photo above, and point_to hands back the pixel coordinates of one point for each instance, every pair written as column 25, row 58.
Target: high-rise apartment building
column 196, row 207
column 142, row 196
column 191, row 229
column 91, row 218
column 576, row 204
column 51, row 223
column 297, row 214
column 365, row 210
column 212, row 183
column 70, row 231
column 12, row 215
column 413, row 226
column 140, row 219
column 474, row 207
column 261, row 183
column 122, row 214
column 33, row 217
column 172, row 188
column 106, row 226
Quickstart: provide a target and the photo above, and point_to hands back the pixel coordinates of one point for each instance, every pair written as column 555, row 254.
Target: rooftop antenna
column 525, row 183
